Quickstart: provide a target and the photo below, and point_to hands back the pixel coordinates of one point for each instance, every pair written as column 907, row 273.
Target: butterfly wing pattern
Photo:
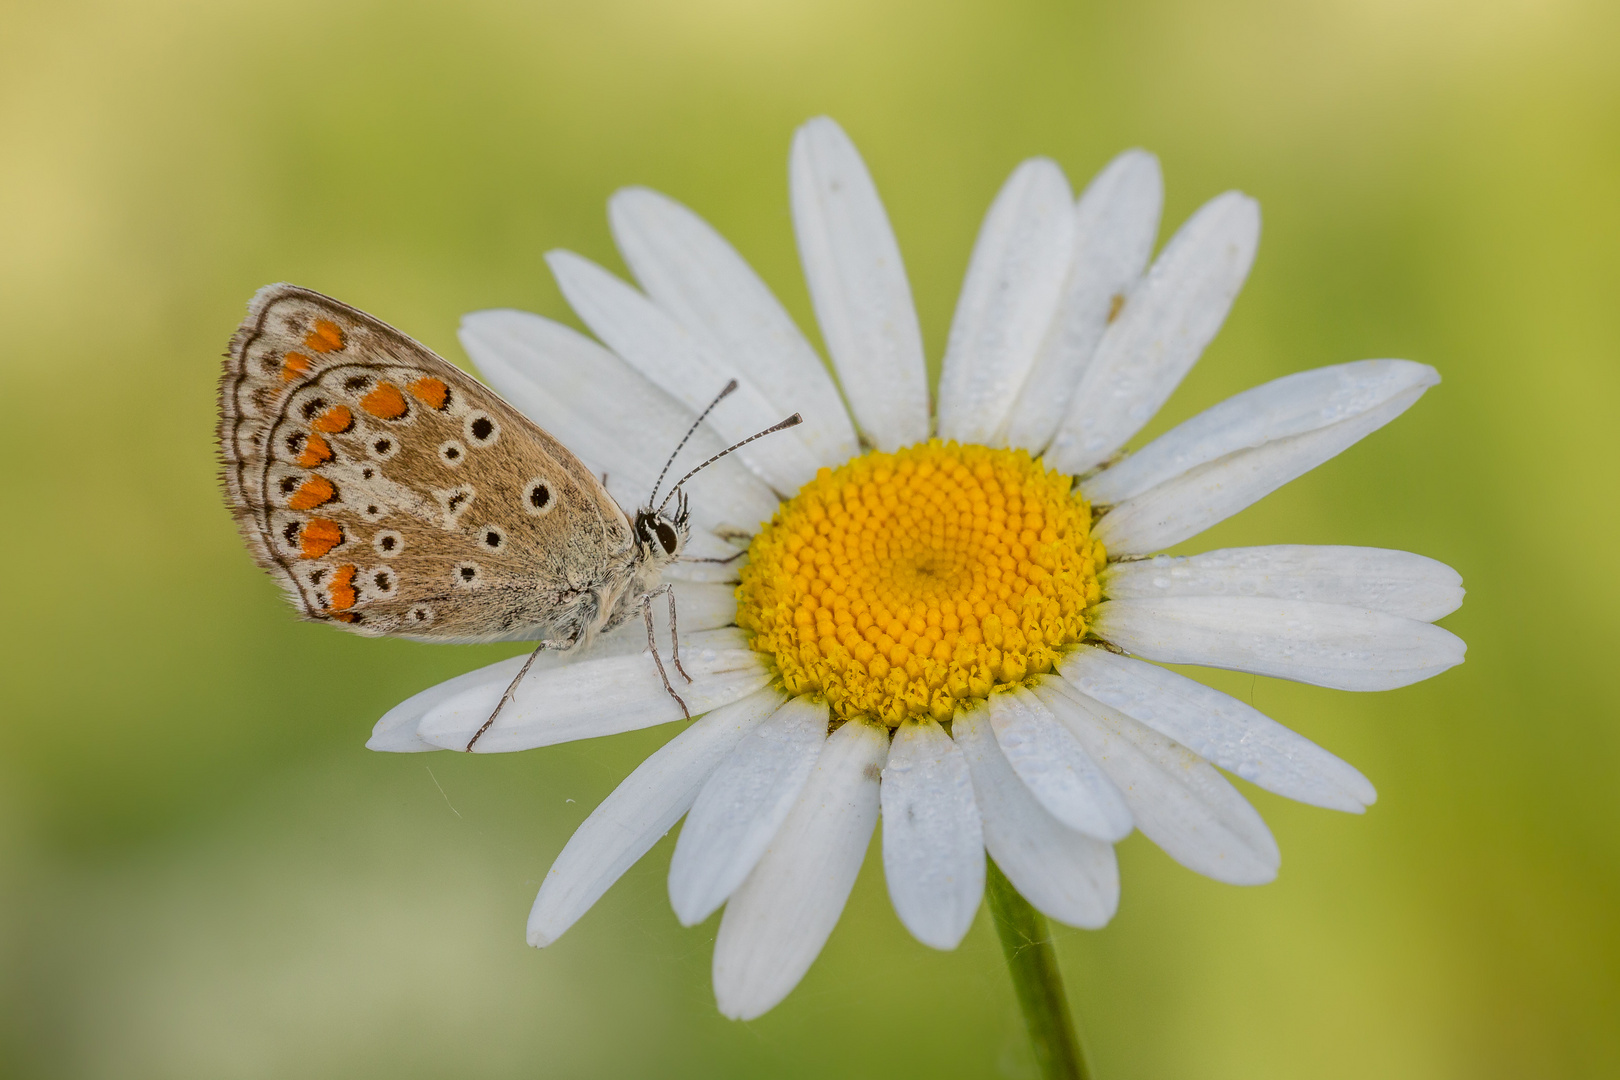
column 390, row 493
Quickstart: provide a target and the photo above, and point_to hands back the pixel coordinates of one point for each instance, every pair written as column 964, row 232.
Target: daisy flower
column 949, row 619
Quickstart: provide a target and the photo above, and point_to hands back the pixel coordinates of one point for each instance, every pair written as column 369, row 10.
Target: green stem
column 1027, row 943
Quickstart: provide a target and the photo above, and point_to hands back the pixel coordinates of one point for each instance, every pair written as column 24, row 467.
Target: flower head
column 948, row 618
column 901, row 585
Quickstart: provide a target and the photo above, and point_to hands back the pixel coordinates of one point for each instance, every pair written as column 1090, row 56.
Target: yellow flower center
column 898, row 584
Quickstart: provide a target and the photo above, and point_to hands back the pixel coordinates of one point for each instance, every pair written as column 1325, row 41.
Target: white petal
column 616, row 421
column 858, row 286
column 1116, row 222
column 741, row 807
column 933, row 846
column 699, row 607
column 1008, row 300
column 707, row 570
column 694, row 274
column 1220, row 728
column 1188, row 504
column 679, row 363
column 396, row 731
column 1325, row 644
column 1178, row 799
column 777, row 922
column 639, row 811
column 1394, row 582
column 597, row 697
column 1166, row 322
column 1292, row 405
column 1055, row 768
column 1069, row 877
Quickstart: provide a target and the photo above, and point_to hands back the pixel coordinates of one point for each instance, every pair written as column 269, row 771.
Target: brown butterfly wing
column 390, row 493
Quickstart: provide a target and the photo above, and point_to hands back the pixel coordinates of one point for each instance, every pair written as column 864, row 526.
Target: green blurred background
column 204, row 875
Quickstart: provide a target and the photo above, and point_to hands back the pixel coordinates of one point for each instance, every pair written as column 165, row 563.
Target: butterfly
column 390, row 494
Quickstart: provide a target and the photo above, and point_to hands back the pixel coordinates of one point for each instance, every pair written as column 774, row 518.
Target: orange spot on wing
column 296, row 364
column 319, row 536
column 326, row 337
column 342, row 589
column 335, row 420
column 431, row 392
column 316, row 452
column 385, row 402
column 314, row 491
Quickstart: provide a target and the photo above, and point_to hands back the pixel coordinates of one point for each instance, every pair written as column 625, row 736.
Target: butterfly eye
column 384, row 448
column 493, row 537
column 388, row 541
column 466, row 575
column 383, row 579
column 666, row 537
column 537, row 498
column 452, row 452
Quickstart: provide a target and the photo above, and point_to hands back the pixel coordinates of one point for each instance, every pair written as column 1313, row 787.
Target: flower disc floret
column 899, row 584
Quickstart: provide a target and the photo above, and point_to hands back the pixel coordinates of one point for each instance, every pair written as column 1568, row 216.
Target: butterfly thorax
column 657, row 540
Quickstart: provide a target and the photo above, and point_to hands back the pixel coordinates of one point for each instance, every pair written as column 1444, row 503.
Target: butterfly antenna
column 718, row 398
column 793, row 421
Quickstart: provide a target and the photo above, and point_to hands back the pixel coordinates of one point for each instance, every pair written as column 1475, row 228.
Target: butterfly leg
column 511, row 687
column 727, row 559
column 674, row 634
column 652, row 644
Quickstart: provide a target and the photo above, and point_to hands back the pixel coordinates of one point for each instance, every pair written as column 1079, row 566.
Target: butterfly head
column 661, row 536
